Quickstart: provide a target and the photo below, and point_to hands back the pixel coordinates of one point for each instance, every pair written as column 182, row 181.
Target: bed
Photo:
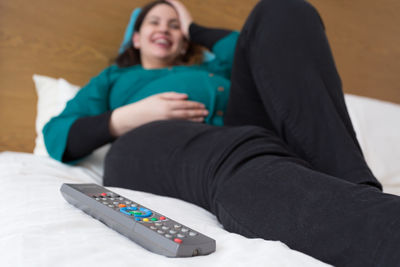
column 39, row 228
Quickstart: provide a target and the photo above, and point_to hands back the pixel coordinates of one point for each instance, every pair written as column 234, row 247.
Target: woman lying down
column 259, row 135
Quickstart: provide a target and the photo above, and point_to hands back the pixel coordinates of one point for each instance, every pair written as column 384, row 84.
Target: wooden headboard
column 76, row 39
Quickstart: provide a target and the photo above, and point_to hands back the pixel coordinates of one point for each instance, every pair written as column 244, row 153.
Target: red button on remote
column 103, row 194
column 177, row 240
column 162, row 218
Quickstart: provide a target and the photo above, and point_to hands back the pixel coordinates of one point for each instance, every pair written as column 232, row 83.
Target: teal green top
column 114, row 87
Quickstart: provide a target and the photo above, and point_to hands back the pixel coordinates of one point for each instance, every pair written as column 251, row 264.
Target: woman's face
column 160, row 37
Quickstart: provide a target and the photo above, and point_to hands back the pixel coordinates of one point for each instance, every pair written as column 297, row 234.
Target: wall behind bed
column 76, row 39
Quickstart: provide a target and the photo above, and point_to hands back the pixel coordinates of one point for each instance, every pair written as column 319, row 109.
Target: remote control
column 151, row 230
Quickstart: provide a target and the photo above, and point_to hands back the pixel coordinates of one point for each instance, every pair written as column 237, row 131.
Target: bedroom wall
column 76, row 39
column 365, row 39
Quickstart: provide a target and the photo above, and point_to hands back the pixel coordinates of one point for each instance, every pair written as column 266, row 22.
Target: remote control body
column 153, row 231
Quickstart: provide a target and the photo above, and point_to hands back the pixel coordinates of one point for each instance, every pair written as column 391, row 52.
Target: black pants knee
column 284, row 78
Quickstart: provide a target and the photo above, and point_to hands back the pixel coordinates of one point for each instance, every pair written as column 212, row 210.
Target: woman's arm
column 91, row 100
column 89, row 133
column 194, row 32
column 205, row 36
column 221, row 42
column 163, row 106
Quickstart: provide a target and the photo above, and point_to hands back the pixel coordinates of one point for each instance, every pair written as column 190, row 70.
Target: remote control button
column 177, row 240
column 145, row 219
column 115, row 202
column 192, row 233
column 154, row 219
column 111, row 206
column 128, row 210
column 134, row 205
column 121, row 198
column 160, row 232
column 168, row 236
column 103, row 194
column 165, row 227
column 172, row 232
column 138, row 219
column 122, row 205
column 162, row 218
column 181, row 236
column 128, row 202
column 98, row 198
column 111, row 198
column 184, row 230
column 147, row 213
column 105, row 202
column 158, row 224
column 153, row 227
column 177, row 226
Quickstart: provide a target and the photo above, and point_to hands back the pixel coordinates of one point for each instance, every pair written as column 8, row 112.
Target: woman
column 288, row 167
column 162, row 68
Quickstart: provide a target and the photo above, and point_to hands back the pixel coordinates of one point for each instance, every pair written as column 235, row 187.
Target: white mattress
column 39, row 228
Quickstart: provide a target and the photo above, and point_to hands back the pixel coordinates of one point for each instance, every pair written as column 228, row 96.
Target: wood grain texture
column 76, row 39
column 365, row 40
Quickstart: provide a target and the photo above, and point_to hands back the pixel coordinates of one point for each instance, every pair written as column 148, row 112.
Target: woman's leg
column 179, row 159
column 284, row 79
column 248, row 178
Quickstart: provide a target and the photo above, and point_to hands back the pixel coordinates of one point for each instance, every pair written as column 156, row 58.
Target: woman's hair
column 131, row 56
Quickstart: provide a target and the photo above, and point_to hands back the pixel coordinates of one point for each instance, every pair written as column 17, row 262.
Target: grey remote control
column 151, row 230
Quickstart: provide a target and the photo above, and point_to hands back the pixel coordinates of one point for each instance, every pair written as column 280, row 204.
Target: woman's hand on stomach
column 164, row 106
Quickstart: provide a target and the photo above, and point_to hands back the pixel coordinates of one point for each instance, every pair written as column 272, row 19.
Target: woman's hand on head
column 184, row 16
column 162, row 106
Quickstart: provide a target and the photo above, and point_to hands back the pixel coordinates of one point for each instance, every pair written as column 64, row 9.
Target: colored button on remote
column 128, row 210
column 147, row 213
column 177, row 240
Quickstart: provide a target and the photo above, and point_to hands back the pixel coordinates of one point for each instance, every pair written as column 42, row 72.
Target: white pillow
column 53, row 94
column 377, row 124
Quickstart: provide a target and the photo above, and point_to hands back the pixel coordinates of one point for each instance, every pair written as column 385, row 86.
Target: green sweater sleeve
column 221, row 42
column 91, row 100
column 224, row 51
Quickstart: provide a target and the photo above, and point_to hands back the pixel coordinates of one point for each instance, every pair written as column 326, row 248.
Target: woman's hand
column 184, row 16
column 162, row 106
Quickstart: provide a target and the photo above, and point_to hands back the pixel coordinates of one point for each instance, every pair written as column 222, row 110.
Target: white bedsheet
column 39, row 228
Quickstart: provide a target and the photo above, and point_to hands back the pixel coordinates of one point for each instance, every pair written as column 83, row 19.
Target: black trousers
column 288, row 165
